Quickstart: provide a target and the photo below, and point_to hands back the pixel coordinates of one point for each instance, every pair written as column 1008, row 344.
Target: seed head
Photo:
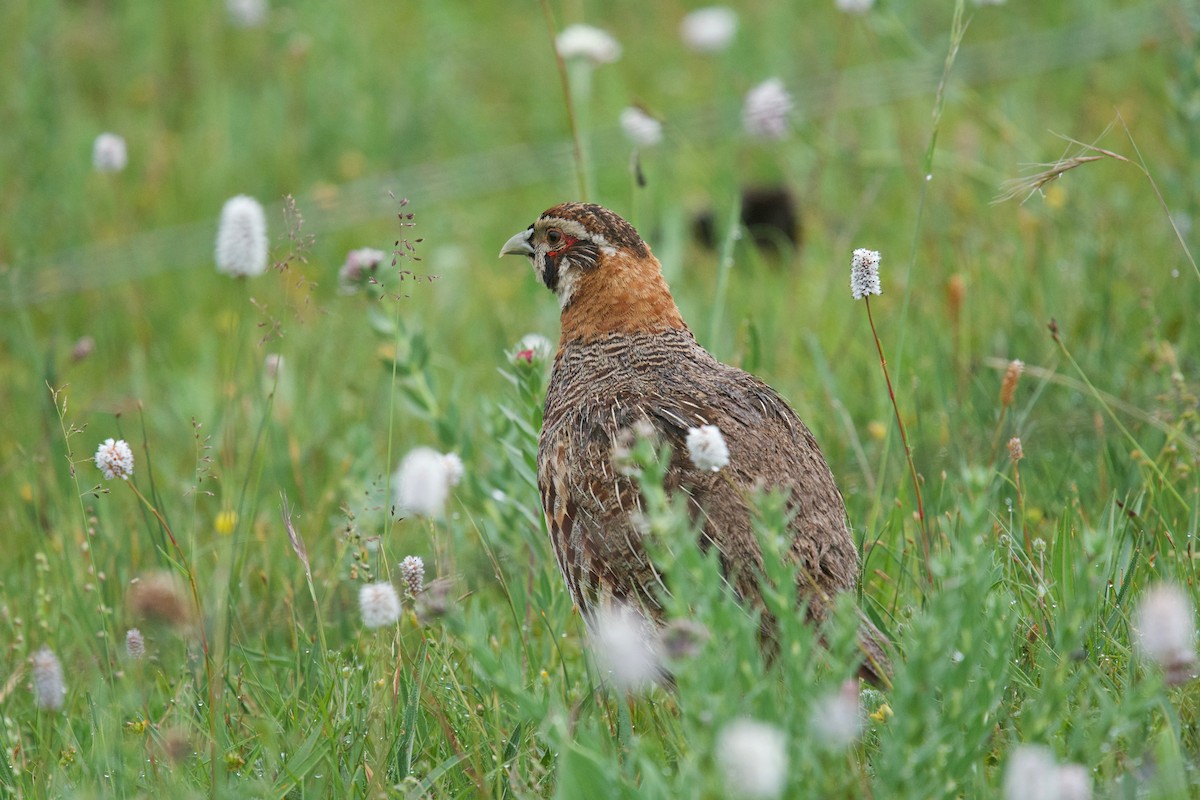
column 709, row 30
column 589, row 43
column 423, row 481
column 1012, row 376
column 766, row 109
column 412, row 572
column 242, row 238
column 48, row 687
column 706, row 448
column 359, row 269
column 864, row 273
column 1166, row 632
column 641, row 128
column 108, row 153
column 753, row 758
column 379, row 604
column 1014, row 449
column 158, row 597
column 135, row 644
column 115, row 459
column 626, row 647
column 84, row 347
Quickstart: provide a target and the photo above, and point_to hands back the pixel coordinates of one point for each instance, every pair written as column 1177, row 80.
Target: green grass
column 274, row 688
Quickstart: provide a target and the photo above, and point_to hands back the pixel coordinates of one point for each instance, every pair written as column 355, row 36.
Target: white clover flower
column 135, row 644
column 837, row 718
column 412, row 572
column 115, row 459
column 532, row 348
column 48, row 687
column 709, row 30
column 242, row 238
column 587, row 42
column 109, row 153
column 360, row 266
column 765, row 110
column 423, row 481
column 246, row 13
column 1165, row 625
column 626, row 647
column 854, row 6
column 1033, row 774
column 753, row 759
column 379, row 603
column 706, row 448
column 864, row 273
column 641, row 128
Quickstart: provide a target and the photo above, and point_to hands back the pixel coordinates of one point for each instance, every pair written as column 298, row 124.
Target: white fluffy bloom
column 109, row 153
column 709, row 30
column 360, row 266
column 626, row 647
column 585, row 41
column 242, row 238
column 753, row 758
column 854, row 6
column 246, row 13
column 532, row 348
column 1033, row 774
column 135, row 644
column 864, row 273
column 423, row 481
column 48, row 687
column 1166, row 631
column 412, row 571
column 837, row 718
column 765, row 110
column 641, row 128
column 379, row 603
column 115, row 459
column 706, row 448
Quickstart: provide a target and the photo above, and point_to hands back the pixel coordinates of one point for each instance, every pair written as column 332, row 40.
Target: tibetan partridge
column 627, row 359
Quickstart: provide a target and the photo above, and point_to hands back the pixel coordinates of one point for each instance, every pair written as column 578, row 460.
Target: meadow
column 1028, row 171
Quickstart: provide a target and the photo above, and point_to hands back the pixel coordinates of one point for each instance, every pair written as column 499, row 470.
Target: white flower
column 626, row 647
column 108, row 153
column 246, row 13
column 360, row 266
column 706, row 448
column 242, row 238
column 115, row 459
column 1166, row 631
column 837, row 718
column 641, row 128
column 709, row 30
column 864, row 273
column 135, row 644
column 753, row 758
column 48, row 686
column 412, row 572
column 532, row 348
column 854, row 6
column 989, row 2
column 423, row 481
column 585, row 41
column 379, row 603
column 1032, row 774
column 765, row 110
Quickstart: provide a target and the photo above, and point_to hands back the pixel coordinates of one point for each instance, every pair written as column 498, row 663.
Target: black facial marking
column 550, row 274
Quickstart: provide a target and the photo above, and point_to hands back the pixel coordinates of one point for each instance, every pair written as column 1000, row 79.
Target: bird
column 627, row 361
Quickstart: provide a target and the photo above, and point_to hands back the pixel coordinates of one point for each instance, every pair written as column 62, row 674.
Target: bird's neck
column 625, row 295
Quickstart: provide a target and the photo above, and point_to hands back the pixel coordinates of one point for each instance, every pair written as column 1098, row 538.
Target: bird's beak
column 518, row 245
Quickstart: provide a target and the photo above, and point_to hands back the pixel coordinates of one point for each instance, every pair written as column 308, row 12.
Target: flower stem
column 912, row 469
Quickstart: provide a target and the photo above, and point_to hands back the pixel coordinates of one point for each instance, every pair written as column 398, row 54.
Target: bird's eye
column 554, row 236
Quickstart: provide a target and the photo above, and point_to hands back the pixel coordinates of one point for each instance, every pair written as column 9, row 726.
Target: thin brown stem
column 912, row 469
column 568, row 98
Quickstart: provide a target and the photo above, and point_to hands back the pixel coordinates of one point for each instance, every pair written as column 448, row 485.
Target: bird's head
column 605, row 276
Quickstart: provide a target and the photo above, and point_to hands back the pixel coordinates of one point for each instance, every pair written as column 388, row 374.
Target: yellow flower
column 226, row 521
column 882, row 714
column 27, row 492
column 877, row 430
